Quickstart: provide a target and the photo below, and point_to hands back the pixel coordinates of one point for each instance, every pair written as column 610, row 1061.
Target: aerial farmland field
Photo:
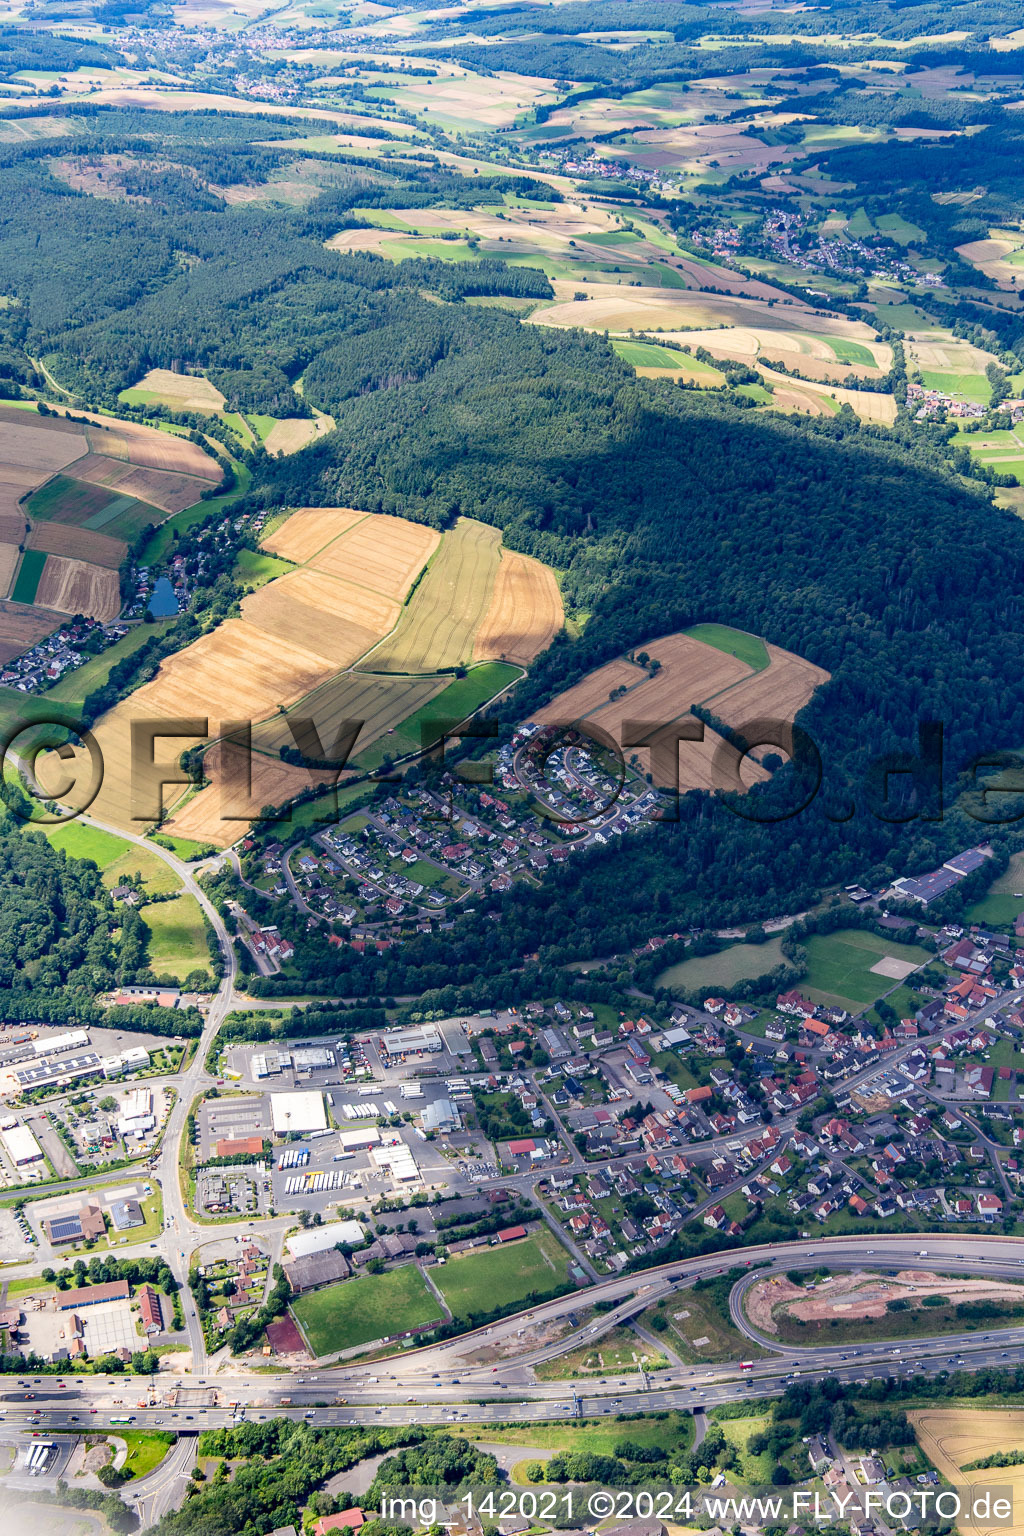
column 439, row 623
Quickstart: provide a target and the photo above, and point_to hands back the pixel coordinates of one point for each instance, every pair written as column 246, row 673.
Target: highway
column 447, row 1384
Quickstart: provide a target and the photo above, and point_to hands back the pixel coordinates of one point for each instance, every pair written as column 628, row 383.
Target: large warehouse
column 406, row 1042
column 21, row 1146
column 298, row 1113
column 317, row 1239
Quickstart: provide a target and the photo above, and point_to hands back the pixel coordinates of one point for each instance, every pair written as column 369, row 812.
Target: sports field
column 494, row 1277
column 840, row 967
column 366, row 1309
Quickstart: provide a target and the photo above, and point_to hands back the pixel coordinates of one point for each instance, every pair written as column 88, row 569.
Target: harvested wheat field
column 14, row 415
column 294, row 432
column 101, row 469
column 22, row 627
column 16, row 481
column 439, row 623
column 235, row 672
column 219, row 814
column 13, row 526
column 691, row 672
column 525, row 614
column 8, row 564
column 150, row 448
column 78, row 544
column 778, row 693
column 309, row 530
column 161, row 488
column 33, row 447
column 333, row 618
column 381, row 552
column 813, row 399
column 952, row 1438
column 75, row 587
column 380, row 703
column 183, row 391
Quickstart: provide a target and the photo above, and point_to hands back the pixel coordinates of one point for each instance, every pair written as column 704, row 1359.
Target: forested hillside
column 848, row 544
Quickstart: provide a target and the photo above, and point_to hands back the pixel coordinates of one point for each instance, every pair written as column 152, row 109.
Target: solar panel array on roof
column 63, row 1228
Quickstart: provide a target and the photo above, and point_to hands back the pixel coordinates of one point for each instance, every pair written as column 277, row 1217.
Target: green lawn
column 673, row 1068
column 178, row 942
column 673, row 1433
column 736, row 642
column 898, row 228
column 839, row 966
column 256, row 569
column 969, row 386
column 996, row 910
column 453, row 704
column 849, row 351
column 494, row 1277
column 364, row 1310
column 859, row 225
column 85, row 842
column 26, row 581
column 113, row 856
column 146, row 1448
column 645, row 354
column 739, row 962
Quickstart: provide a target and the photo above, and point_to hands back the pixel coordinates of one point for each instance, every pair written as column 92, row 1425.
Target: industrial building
column 56, row 1045
column 298, row 1113
column 359, row 1140
column 58, row 1069
column 20, row 1145
column 270, row 1063
column 406, row 1042
column 91, row 1296
column 314, row 1059
column 319, row 1239
column 441, row 1117
column 398, row 1161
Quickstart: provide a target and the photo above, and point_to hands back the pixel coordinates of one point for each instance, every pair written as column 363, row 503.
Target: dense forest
column 62, row 940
